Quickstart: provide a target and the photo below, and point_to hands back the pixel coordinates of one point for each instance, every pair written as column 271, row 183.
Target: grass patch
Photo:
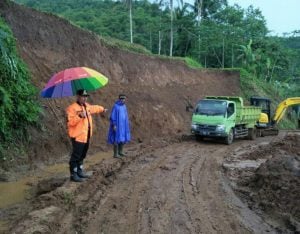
column 192, row 63
column 124, row 45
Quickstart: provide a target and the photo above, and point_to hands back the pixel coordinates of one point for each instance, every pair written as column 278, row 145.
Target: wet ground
column 267, row 179
column 168, row 186
column 15, row 193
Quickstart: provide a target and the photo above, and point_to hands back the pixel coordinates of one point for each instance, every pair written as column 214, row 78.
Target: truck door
column 230, row 110
column 230, row 115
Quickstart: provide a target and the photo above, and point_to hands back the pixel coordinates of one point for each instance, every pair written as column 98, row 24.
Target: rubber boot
column 121, row 150
column 81, row 173
column 116, row 155
column 74, row 176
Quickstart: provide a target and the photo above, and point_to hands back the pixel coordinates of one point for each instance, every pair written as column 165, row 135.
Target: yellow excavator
column 266, row 124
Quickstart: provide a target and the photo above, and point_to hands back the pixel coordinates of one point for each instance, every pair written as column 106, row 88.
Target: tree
column 248, row 57
column 199, row 4
column 208, row 31
column 185, row 31
column 129, row 5
column 171, row 28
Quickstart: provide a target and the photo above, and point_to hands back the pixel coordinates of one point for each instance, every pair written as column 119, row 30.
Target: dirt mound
column 273, row 188
column 156, row 87
column 276, row 183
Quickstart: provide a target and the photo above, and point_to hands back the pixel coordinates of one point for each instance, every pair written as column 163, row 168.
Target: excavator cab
column 267, row 123
column 265, row 104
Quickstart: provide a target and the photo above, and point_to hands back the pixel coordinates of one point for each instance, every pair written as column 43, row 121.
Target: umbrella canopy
column 66, row 83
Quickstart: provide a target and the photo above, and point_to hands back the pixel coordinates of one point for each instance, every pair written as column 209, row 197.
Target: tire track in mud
column 172, row 216
column 204, row 195
column 119, row 212
column 189, row 185
column 93, row 193
column 174, row 189
column 167, row 187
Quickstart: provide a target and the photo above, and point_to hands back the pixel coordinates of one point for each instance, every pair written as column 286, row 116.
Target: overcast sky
column 281, row 15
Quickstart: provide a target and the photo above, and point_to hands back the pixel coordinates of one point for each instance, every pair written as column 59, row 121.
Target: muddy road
column 165, row 187
column 175, row 189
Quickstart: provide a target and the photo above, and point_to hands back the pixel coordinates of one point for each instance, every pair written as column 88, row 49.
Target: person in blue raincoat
column 119, row 129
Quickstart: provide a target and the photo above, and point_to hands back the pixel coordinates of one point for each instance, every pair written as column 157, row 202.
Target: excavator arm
column 282, row 107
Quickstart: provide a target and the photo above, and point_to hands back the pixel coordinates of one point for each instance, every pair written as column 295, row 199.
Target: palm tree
column 248, row 57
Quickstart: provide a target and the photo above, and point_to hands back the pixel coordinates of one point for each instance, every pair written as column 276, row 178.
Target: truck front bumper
column 208, row 131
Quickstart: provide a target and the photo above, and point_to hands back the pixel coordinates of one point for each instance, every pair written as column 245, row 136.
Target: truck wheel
column 251, row 133
column 199, row 138
column 229, row 138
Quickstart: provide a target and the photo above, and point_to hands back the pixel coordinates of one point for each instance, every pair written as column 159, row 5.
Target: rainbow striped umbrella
column 66, row 83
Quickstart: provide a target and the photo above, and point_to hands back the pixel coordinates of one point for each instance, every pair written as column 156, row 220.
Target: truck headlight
column 220, row 128
column 194, row 126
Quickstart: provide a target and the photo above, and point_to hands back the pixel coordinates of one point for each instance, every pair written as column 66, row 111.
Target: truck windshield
column 211, row 107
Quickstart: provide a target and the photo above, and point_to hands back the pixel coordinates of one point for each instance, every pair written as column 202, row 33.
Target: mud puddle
column 17, row 192
column 244, row 164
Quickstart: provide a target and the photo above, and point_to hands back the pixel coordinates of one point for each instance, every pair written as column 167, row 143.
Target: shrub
column 19, row 107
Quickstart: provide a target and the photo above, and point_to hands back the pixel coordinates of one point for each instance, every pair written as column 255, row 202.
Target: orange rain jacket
column 78, row 127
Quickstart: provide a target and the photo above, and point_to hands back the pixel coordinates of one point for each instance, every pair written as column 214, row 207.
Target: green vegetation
column 192, row 63
column 18, row 105
column 116, row 43
column 252, row 86
column 68, row 199
column 212, row 33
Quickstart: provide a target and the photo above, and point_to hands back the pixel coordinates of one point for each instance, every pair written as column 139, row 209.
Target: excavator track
column 269, row 132
column 275, row 132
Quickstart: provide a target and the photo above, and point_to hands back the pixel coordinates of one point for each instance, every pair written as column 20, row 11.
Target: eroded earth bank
column 167, row 183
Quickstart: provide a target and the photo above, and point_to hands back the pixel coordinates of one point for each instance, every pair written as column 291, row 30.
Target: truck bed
column 247, row 115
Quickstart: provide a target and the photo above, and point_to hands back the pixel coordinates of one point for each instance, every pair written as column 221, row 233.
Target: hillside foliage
column 213, row 33
column 18, row 105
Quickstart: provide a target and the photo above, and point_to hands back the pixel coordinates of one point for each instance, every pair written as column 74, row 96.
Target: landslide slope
column 156, row 87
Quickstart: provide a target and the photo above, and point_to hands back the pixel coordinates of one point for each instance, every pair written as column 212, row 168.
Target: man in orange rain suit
column 80, row 129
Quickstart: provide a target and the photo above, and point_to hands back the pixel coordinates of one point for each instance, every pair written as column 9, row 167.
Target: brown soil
column 168, row 187
column 272, row 188
column 165, row 184
column 156, row 87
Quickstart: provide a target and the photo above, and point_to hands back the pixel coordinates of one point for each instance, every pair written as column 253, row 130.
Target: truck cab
column 265, row 116
column 213, row 118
